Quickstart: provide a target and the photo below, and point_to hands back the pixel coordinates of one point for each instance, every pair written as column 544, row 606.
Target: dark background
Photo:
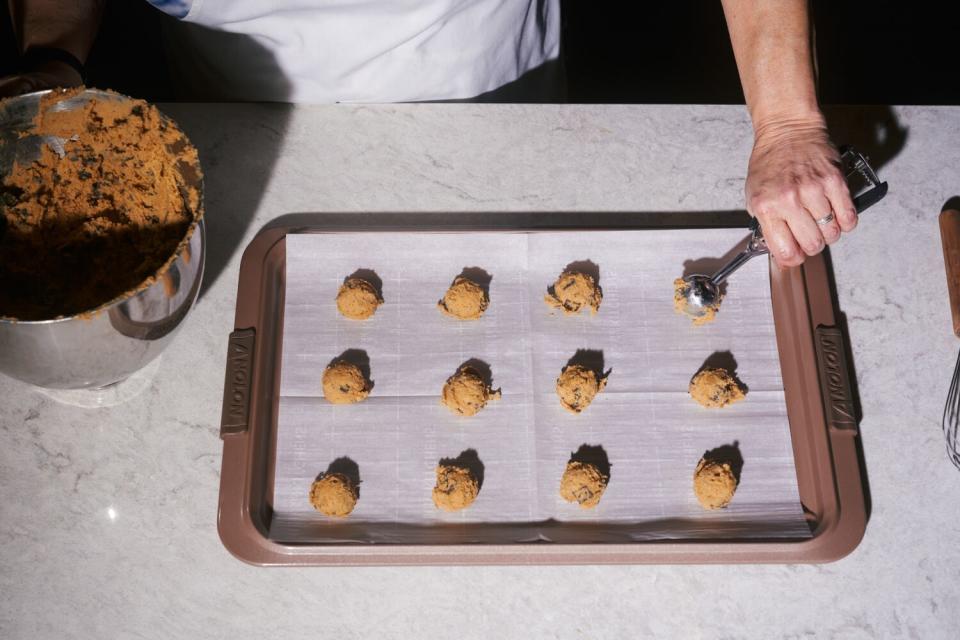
column 665, row 52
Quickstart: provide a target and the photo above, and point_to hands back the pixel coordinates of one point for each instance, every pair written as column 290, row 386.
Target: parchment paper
column 651, row 430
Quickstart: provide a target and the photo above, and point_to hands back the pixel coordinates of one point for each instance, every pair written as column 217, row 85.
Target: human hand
column 793, row 185
column 50, row 75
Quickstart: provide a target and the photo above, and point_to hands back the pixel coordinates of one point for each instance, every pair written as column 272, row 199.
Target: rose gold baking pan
column 814, row 366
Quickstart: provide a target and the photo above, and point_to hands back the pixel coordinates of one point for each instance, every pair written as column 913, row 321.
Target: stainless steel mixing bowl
column 105, row 345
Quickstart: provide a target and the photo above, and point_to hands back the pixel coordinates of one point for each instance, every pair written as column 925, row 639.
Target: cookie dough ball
column 715, row 388
column 577, row 386
column 333, row 494
column 466, row 392
column 583, row 483
column 358, row 299
column 344, row 383
column 464, row 300
column 680, row 287
column 574, row 291
column 714, row 484
column 456, row 488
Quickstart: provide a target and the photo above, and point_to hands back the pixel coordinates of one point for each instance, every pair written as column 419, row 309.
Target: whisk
column 950, row 235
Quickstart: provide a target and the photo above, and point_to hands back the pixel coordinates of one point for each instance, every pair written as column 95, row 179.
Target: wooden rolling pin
column 950, row 235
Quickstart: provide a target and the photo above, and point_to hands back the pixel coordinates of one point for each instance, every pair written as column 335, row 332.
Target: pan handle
column 834, row 374
column 235, row 416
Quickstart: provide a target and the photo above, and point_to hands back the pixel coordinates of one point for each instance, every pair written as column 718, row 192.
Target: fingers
column 806, row 232
column 771, row 212
column 780, row 240
column 788, row 226
column 836, row 190
column 793, row 181
column 817, row 206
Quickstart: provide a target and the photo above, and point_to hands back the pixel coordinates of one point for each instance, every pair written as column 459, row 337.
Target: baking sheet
column 652, row 432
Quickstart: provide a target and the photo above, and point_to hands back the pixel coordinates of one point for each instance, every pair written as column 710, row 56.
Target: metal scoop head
column 700, row 294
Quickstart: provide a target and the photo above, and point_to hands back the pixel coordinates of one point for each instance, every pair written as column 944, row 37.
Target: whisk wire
column 951, row 417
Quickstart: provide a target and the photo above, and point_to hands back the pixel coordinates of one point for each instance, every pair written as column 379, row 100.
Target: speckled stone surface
column 108, row 516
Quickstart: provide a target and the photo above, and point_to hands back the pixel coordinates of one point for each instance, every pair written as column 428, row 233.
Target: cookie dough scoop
column 699, row 296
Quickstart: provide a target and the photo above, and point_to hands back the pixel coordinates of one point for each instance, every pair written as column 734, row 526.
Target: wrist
column 775, row 127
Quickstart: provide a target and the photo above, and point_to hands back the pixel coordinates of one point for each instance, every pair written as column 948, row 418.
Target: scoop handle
column 738, row 261
column 950, row 236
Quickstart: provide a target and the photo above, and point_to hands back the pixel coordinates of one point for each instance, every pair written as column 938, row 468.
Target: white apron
column 363, row 51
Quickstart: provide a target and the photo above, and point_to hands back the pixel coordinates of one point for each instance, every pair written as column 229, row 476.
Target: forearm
column 771, row 43
column 70, row 25
column 794, row 187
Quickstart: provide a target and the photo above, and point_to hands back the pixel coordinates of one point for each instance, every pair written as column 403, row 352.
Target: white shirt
column 358, row 50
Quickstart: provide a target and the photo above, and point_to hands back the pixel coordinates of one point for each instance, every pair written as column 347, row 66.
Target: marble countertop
column 108, row 515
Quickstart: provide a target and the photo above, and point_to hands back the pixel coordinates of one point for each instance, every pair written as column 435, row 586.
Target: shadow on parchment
column 481, row 368
column 346, row 467
column 591, row 360
column 727, row 454
column 586, row 267
column 358, row 358
column 370, row 277
column 468, row 460
column 477, row 276
column 594, row 455
column 726, row 361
